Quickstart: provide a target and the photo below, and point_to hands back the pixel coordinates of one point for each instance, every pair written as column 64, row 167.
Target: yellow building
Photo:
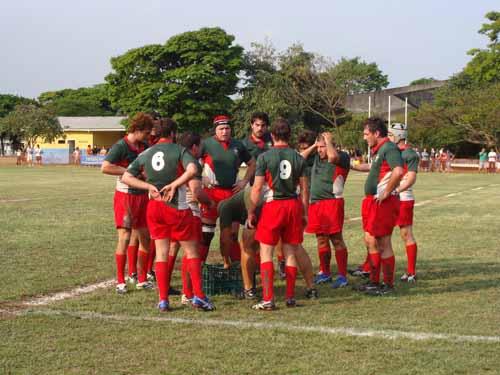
column 81, row 132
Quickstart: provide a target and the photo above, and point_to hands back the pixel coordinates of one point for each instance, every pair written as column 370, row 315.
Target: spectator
column 89, row 150
column 95, row 150
column 425, row 160
column 103, row 151
column 38, row 155
column 76, row 156
column 19, row 155
column 29, row 155
column 450, row 157
column 492, row 160
column 483, row 158
column 443, row 159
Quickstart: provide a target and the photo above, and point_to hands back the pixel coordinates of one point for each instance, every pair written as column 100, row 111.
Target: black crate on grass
column 217, row 280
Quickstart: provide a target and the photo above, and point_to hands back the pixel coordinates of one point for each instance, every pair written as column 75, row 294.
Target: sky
column 55, row 44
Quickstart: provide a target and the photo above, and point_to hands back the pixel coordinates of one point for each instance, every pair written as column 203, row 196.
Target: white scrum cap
column 398, row 131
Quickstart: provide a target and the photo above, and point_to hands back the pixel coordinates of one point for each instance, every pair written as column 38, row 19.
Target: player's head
column 398, row 132
column 306, row 139
column 280, row 130
column 191, row 141
column 222, row 128
column 167, row 128
column 259, row 124
column 374, row 128
column 141, row 125
column 321, row 146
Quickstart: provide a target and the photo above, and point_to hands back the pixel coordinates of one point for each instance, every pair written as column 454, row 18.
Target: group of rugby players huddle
column 173, row 191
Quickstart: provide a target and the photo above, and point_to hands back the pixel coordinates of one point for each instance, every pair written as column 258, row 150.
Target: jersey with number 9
column 282, row 168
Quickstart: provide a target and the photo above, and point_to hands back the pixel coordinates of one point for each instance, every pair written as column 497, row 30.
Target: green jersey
column 257, row 146
column 222, row 160
column 162, row 164
column 410, row 164
column 386, row 156
column 234, row 209
column 328, row 179
column 483, row 156
column 123, row 153
column 282, row 168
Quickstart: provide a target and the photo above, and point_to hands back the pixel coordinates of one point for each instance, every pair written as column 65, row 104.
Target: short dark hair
column 168, row 127
column 307, row 136
column 140, row 122
column 375, row 124
column 281, row 130
column 260, row 116
column 189, row 139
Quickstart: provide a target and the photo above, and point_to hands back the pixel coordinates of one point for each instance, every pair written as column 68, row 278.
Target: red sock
column 375, row 267
column 325, row 257
column 142, row 266
column 132, row 259
column 291, row 277
column 341, row 258
column 170, row 268
column 161, row 279
column 235, row 253
column 411, row 255
column 120, row 260
column 267, row 276
column 281, row 258
column 151, row 255
column 366, row 265
column 388, row 265
column 187, row 288
column 194, row 267
column 203, row 252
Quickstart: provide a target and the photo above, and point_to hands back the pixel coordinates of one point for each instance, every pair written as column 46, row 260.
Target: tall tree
column 7, row 104
column 29, row 122
column 85, row 101
column 485, row 64
column 190, row 78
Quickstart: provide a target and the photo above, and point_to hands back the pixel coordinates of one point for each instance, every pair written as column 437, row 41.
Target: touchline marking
column 338, row 331
column 45, row 300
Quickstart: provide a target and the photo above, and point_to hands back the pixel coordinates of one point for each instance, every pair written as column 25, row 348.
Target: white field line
column 45, row 300
column 240, row 324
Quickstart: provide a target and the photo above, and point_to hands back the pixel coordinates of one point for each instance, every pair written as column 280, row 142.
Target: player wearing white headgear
column 398, row 133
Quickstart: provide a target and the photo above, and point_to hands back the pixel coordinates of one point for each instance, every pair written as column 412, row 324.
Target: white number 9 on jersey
column 157, row 161
column 285, row 169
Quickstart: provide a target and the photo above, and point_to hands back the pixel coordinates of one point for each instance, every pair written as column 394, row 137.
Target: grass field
column 56, row 233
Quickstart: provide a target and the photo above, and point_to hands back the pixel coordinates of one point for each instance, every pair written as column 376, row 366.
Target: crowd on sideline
column 29, row 155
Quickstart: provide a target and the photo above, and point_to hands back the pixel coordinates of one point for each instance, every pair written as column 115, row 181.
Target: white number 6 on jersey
column 157, row 161
column 285, row 169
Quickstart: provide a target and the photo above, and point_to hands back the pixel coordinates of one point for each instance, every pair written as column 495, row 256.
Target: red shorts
column 130, row 210
column 326, row 216
column 217, row 195
column 405, row 213
column 281, row 219
column 379, row 219
column 168, row 222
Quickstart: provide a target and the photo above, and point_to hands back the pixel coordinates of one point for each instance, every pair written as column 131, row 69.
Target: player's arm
column 190, row 171
column 409, row 181
column 331, row 152
column 250, row 172
column 396, row 164
column 304, row 196
column 131, row 178
column 308, row 151
column 112, row 169
column 364, row 167
column 255, row 194
column 198, row 193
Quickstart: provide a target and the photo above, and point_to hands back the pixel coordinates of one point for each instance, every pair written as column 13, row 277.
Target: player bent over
column 398, row 133
column 380, row 207
column 129, row 203
column 168, row 168
column 279, row 171
column 326, row 210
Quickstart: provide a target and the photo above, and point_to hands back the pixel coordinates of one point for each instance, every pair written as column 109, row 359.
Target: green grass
column 64, row 237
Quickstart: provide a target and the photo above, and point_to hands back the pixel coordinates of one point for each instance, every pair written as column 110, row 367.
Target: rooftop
column 92, row 123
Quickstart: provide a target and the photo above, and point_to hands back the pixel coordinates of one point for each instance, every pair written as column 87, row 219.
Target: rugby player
column 129, row 203
column 221, row 158
column 235, row 209
column 169, row 167
column 398, row 133
column 380, row 207
column 279, row 171
column 326, row 209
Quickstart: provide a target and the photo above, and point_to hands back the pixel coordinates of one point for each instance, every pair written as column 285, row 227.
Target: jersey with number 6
column 282, row 168
column 162, row 164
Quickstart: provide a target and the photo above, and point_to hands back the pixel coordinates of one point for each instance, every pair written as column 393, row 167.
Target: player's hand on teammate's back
column 154, row 193
column 239, row 185
column 168, row 192
column 251, row 221
column 382, row 197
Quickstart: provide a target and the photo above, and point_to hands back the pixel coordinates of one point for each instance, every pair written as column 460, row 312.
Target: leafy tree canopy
column 189, row 78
